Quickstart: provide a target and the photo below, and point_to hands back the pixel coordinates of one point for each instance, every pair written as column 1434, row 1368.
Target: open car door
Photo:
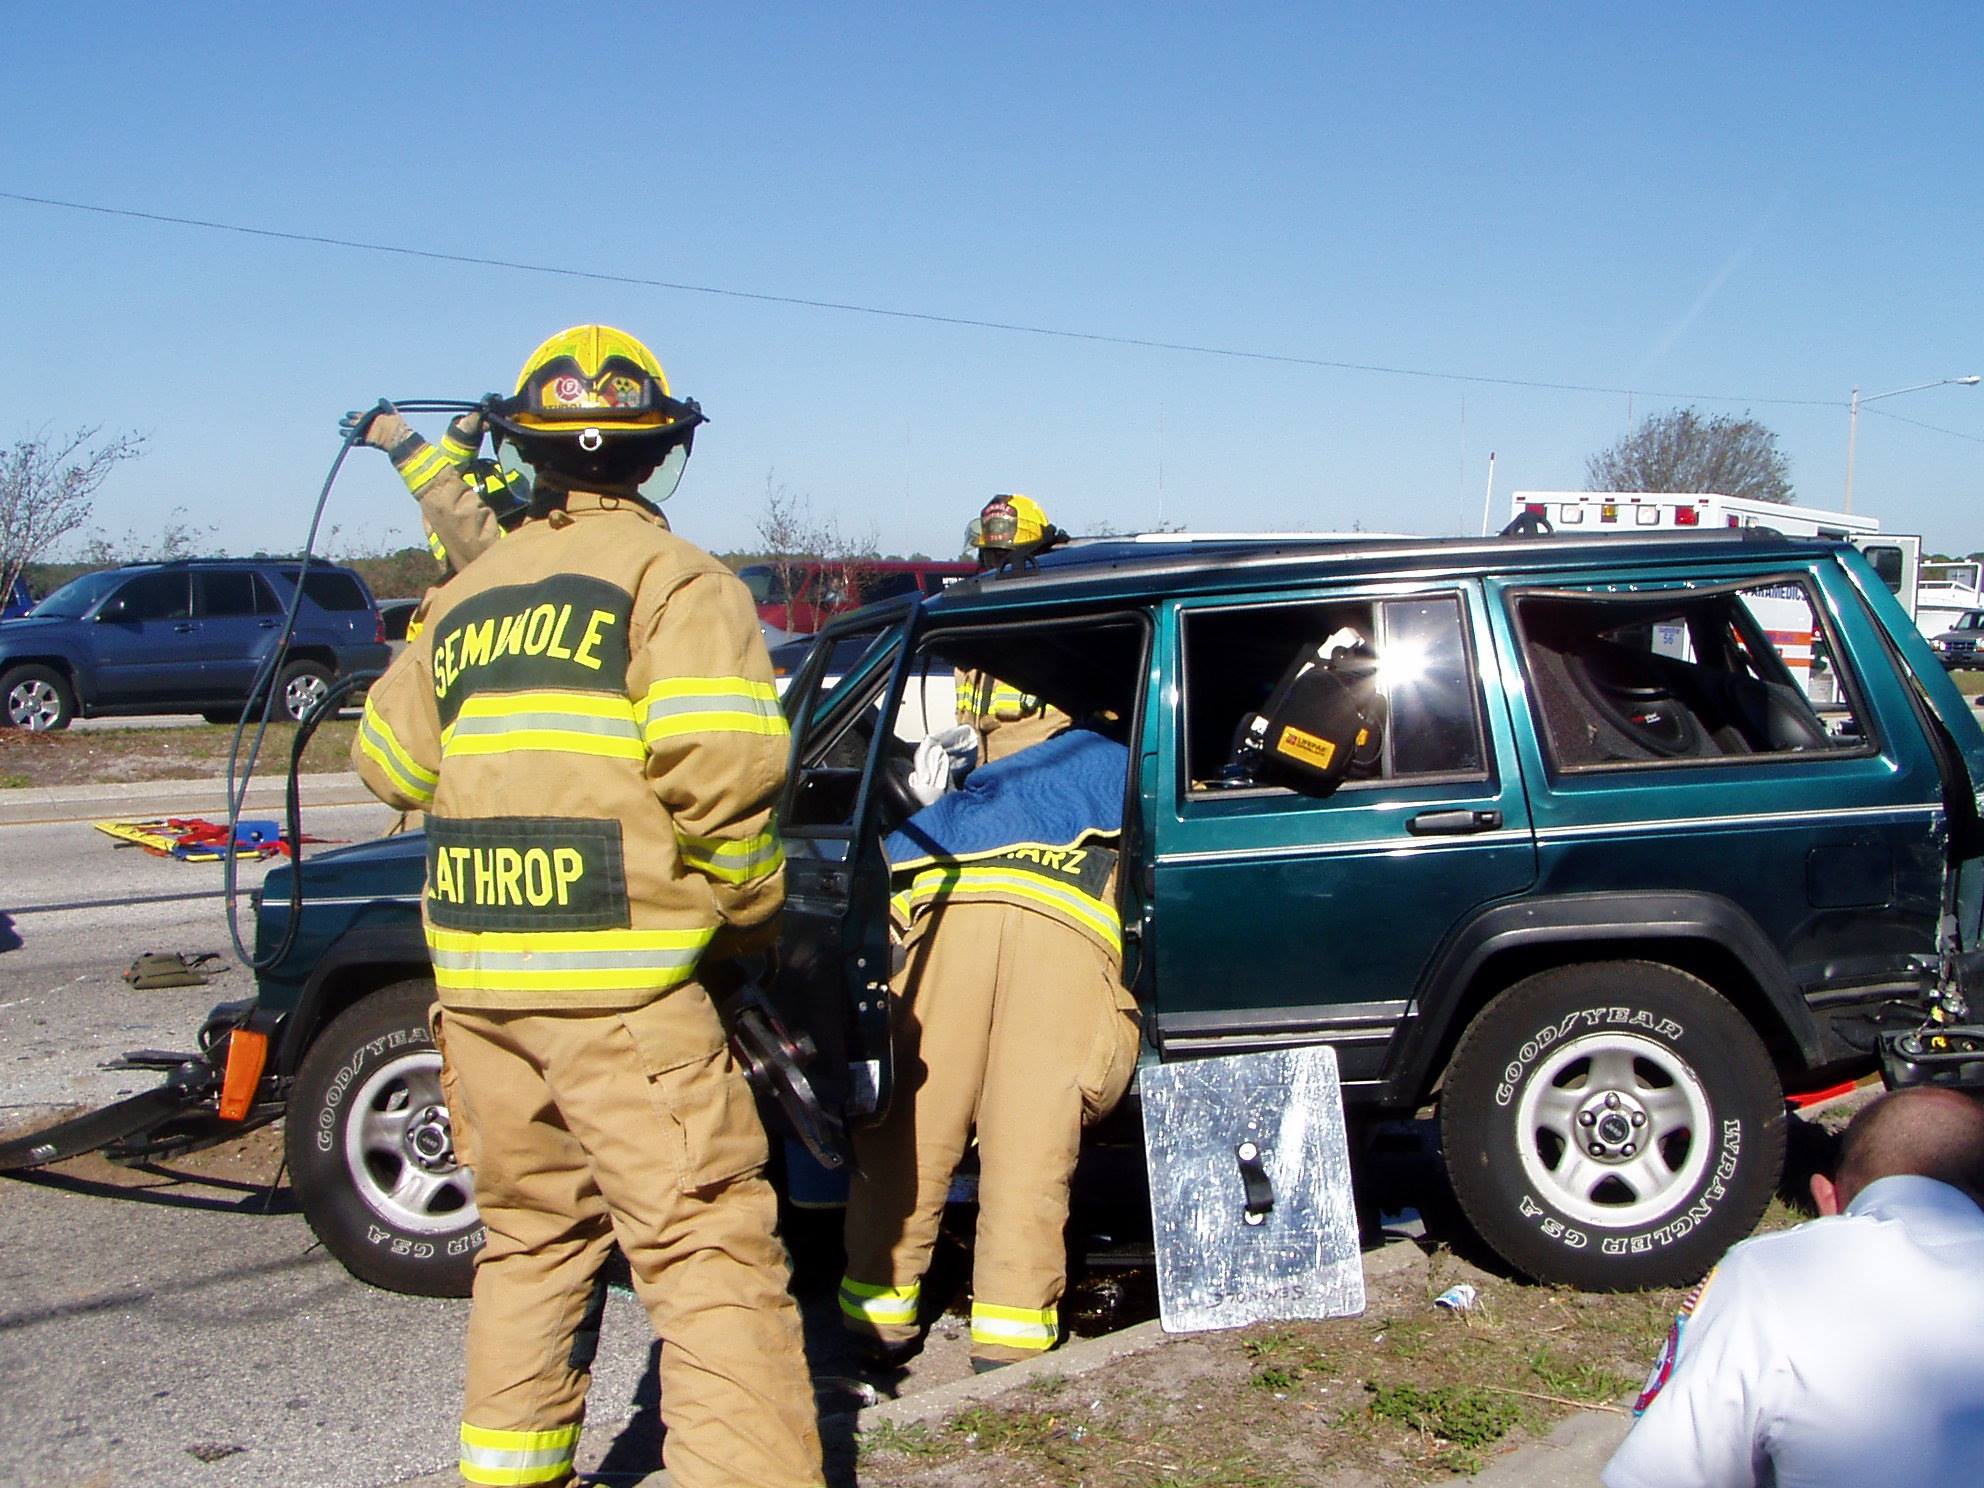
column 834, row 956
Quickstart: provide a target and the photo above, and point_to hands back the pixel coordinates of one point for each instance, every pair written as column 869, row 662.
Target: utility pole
column 1853, row 418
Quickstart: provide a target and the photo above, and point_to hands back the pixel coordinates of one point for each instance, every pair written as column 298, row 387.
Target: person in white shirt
column 1849, row 1350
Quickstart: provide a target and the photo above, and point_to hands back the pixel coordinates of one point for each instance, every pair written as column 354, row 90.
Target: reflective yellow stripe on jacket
column 675, row 706
column 967, row 881
column 426, row 462
column 1015, row 1327
column 733, row 860
column 881, row 1306
column 490, row 1456
column 565, row 960
column 408, row 776
column 568, row 722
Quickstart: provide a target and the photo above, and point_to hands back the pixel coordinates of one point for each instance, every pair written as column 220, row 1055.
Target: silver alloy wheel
column 399, row 1149
column 1614, row 1130
column 34, row 705
column 302, row 694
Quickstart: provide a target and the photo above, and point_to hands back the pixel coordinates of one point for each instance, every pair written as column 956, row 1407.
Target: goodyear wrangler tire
column 371, row 1153
column 1612, row 1125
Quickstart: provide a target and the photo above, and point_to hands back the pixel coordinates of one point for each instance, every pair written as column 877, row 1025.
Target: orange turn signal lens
column 247, row 1053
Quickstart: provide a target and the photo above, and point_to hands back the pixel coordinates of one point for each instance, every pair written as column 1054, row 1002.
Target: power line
column 1933, row 428
column 927, row 317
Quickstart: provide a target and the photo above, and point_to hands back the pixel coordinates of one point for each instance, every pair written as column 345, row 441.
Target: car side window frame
column 1826, row 637
column 1191, row 792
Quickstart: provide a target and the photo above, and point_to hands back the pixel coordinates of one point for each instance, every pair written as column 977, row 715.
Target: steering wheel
column 892, row 782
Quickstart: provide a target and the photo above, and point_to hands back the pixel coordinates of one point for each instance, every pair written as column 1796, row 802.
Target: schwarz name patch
column 526, row 873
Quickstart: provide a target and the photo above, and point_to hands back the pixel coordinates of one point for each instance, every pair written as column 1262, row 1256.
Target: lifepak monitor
column 1325, row 716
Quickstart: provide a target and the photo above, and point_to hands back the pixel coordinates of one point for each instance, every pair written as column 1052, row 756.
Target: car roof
column 1106, row 568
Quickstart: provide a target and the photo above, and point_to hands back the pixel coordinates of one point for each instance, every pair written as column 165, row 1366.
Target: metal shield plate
column 1205, row 1121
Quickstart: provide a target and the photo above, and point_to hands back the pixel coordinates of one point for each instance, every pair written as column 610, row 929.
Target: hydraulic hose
column 263, row 687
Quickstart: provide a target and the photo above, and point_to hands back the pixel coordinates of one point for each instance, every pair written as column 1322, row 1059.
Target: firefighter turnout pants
column 1014, row 1023
column 591, row 1127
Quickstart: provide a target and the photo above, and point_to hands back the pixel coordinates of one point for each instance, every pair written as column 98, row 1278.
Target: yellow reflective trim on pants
column 881, row 1305
column 383, row 748
column 564, row 960
column 733, row 860
column 561, row 722
column 710, row 705
column 965, row 881
column 1015, row 1327
column 491, row 1456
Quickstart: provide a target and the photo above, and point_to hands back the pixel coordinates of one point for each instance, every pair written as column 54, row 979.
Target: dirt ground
column 1408, row 1392
column 196, row 752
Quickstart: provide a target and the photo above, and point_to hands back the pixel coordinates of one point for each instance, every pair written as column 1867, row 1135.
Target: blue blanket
column 1053, row 794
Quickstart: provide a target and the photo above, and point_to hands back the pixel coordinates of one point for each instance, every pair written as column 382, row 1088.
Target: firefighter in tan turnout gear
column 1011, row 1020
column 1005, row 718
column 589, row 721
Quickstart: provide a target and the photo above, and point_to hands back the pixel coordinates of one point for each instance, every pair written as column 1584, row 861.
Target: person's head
column 592, row 409
column 1005, row 522
column 1925, row 1131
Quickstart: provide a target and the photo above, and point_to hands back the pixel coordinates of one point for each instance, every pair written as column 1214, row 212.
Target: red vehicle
column 797, row 596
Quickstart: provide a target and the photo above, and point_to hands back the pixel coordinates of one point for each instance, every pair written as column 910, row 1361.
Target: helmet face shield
column 658, row 487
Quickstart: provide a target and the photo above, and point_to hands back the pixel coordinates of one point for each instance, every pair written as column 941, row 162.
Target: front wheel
column 36, row 698
column 1612, row 1125
column 372, row 1153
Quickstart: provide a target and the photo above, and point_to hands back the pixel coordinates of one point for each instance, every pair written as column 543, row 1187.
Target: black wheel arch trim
column 389, row 951
column 1594, row 919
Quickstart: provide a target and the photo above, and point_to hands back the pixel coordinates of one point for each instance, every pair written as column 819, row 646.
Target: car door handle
column 183, row 626
column 270, row 624
column 1453, row 823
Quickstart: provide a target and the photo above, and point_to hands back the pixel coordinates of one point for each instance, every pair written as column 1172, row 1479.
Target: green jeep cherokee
column 1649, row 831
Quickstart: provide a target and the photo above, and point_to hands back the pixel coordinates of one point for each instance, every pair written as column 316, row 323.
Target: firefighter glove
column 379, row 426
column 941, row 762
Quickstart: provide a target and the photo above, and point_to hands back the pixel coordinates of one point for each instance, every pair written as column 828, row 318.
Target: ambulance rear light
column 1647, row 516
column 1537, row 509
column 1687, row 516
column 1609, row 512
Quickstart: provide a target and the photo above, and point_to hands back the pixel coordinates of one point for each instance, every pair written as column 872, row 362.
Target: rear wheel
column 301, row 687
column 1612, row 1125
column 372, row 1152
column 36, row 698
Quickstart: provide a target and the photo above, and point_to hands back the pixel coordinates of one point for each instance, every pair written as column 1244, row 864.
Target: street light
column 1853, row 418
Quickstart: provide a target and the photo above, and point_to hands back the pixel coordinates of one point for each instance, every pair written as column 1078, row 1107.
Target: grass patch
column 1457, row 1419
column 1576, row 1379
column 196, row 752
column 913, row 1440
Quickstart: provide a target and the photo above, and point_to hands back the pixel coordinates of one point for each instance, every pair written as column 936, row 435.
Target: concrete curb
column 200, row 797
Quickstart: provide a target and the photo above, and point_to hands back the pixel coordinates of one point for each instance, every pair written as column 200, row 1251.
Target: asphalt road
column 181, row 1325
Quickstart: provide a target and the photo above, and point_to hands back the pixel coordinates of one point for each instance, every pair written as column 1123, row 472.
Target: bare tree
column 179, row 537
column 1683, row 451
column 48, row 485
column 794, row 541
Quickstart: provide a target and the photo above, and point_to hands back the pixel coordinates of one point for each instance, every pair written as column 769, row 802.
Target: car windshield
column 763, row 582
column 74, row 598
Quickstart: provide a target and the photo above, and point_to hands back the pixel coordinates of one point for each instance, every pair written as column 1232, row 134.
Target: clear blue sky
column 1759, row 202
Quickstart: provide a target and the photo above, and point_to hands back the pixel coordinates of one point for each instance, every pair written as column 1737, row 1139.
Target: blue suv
column 184, row 637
